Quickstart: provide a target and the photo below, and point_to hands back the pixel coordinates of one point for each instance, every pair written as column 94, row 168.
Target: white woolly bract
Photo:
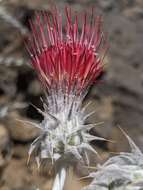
column 63, row 134
column 121, row 172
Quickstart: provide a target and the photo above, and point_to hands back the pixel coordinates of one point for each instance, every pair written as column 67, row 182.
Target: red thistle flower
column 68, row 60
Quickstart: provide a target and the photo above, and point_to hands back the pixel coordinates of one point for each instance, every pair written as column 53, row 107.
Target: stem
column 60, row 180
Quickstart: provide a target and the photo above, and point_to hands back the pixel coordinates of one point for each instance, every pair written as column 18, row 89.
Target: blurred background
column 117, row 99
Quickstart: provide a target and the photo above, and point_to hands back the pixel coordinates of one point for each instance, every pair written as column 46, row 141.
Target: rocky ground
column 118, row 99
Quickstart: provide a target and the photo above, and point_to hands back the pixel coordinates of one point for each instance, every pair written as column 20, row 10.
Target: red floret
column 67, row 57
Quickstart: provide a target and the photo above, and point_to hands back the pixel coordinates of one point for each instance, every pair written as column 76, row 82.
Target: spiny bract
column 121, row 172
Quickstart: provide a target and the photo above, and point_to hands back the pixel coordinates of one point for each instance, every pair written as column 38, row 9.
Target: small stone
column 102, row 114
column 135, row 12
column 4, row 137
column 20, row 176
column 119, row 142
column 16, row 175
column 4, row 146
column 35, row 88
column 106, row 5
column 4, row 188
column 20, row 151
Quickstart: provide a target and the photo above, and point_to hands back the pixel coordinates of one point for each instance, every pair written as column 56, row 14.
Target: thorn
column 28, row 160
column 28, row 122
column 86, row 177
column 111, row 141
column 116, row 153
column 90, row 167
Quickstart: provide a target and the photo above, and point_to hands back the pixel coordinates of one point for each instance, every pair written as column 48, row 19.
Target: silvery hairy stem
column 59, row 180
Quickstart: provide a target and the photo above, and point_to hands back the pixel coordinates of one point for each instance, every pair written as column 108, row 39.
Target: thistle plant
column 68, row 61
column 121, row 172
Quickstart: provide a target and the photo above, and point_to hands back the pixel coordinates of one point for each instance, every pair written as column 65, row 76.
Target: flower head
column 68, row 60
